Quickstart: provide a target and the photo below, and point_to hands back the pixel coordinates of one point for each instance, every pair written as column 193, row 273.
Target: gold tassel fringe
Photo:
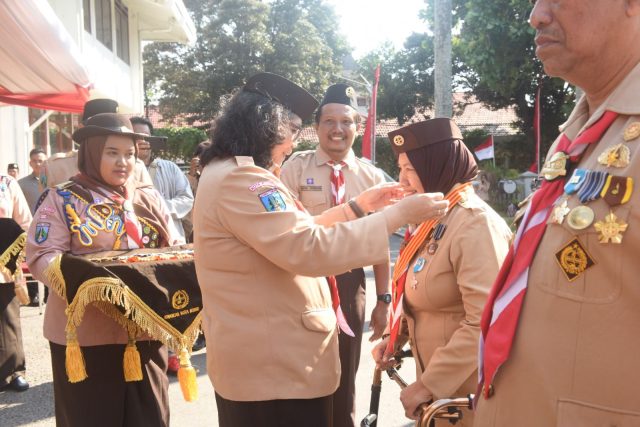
column 74, row 361
column 53, row 274
column 131, row 363
column 187, row 377
column 16, row 248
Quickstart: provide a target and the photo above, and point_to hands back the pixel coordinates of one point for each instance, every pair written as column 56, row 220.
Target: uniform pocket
column 572, row 413
column 313, row 198
column 320, row 320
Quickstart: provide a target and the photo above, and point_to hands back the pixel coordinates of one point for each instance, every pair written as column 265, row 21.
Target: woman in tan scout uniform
column 445, row 270
column 269, row 319
column 101, row 208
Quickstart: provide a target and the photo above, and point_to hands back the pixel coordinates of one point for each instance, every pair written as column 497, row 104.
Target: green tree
column 181, row 141
column 237, row 38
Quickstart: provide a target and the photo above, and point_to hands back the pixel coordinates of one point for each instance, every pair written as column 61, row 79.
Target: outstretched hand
column 379, row 196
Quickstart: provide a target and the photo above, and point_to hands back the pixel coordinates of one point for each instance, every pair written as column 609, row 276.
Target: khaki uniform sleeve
column 289, row 175
column 289, row 237
column 478, row 249
column 21, row 213
column 49, row 219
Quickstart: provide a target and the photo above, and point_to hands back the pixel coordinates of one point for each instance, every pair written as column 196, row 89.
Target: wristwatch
column 385, row 298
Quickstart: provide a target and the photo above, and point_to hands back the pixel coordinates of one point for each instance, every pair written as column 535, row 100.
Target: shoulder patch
column 42, row 232
column 272, row 200
column 254, row 187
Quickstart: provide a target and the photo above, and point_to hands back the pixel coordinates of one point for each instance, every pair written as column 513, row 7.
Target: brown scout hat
column 425, row 133
column 340, row 93
column 106, row 124
column 293, row 97
column 98, row 106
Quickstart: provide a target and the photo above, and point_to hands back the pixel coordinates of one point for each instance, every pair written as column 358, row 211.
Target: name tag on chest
column 311, row 188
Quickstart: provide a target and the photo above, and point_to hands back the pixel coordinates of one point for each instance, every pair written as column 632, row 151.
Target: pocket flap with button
column 320, row 320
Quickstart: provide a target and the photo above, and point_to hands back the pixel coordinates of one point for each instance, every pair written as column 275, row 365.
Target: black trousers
column 104, row 399
column 12, row 362
column 275, row 413
column 351, row 287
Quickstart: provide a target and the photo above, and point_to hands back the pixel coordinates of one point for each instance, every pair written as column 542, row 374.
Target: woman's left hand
column 412, row 396
column 379, row 196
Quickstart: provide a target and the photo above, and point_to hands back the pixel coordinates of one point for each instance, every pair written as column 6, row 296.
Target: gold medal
column 580, row 217
column 610, row 229
column 555, row 167
column 573, row 259
column 632, row 132
column 617, row 156
column 560, row 211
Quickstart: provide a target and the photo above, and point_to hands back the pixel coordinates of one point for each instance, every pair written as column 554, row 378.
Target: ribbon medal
column 576, row 181
column 617, row 190
column 610, row 229
column 592, row 186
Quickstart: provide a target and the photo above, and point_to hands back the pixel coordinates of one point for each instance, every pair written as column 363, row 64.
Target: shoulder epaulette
column 300, row 154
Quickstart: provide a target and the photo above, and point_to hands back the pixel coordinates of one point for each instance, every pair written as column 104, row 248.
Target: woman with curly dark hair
column 271, row 317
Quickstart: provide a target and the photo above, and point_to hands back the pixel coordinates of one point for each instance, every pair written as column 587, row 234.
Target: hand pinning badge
column 610, row 229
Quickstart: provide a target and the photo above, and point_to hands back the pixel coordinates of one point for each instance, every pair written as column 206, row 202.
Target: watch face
column 386, row 298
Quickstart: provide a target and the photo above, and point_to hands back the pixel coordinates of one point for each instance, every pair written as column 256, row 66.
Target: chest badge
column 580, row 217
column 573, row 259
column 632, row 132
column 617, row 156
column 560, row 211
column 419, row 265
column 610, row 229
column 555, row 167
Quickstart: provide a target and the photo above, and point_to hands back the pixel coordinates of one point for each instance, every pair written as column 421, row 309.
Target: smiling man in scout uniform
column 327, row 176
column 560, row 331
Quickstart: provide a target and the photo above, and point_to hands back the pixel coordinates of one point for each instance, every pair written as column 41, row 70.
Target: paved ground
column 35, row 406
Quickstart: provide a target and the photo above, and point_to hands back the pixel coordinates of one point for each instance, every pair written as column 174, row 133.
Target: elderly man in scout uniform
column 560, row 330
column 325, row 177
column 12, row 361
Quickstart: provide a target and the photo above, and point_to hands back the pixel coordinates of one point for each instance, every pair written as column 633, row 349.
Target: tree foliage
column 181, row 142
column 298, row 39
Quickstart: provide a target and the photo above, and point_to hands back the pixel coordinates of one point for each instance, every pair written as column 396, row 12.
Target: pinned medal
column 432, row 248
column 617, row 156
column 439, row 231
column 617, row 190
column 632, row 132
column 560, row 211
column 580, row 217
column 576, row 181
column 573, row 259
column 555, row 167
column 610, row 229
column 419, row 265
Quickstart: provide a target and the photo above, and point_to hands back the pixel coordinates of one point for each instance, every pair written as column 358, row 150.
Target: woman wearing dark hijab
column 445, row 269
column 102, row 208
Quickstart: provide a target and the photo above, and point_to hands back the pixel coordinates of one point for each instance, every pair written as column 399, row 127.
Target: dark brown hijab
column 442, row 165
column 89, row 158
column 436, row 151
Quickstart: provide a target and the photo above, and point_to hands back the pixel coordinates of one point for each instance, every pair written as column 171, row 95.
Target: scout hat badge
column 340, row 93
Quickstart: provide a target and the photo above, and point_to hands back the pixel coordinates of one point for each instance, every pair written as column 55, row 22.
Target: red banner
column 369, row 137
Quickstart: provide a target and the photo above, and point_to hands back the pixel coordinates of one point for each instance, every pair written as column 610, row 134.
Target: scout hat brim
column 106, row 124
column 293, row 97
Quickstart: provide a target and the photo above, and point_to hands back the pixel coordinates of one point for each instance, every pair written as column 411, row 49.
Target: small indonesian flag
column 485, row 150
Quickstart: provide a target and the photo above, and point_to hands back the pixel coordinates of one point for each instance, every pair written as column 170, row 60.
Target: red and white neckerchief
column 338, row 187
column 131, row 223
column 502, row 311
column 335, row 296
column 399, row 278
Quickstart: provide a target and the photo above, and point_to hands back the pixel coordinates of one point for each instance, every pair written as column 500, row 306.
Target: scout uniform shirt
column 261, row 261
column 574, row 360
column 101, row 226
column 308, row 176
column 13, row 205
column 445, row 291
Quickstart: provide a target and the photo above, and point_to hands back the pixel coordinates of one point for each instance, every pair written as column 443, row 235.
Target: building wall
column 14, row 145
